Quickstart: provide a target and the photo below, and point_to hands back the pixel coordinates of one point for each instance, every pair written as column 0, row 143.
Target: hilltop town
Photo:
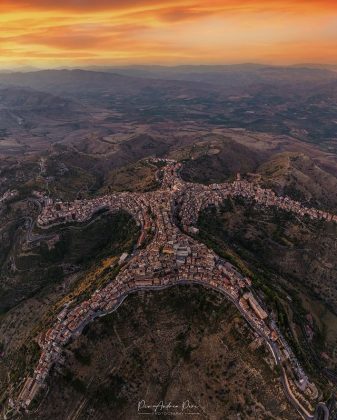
column 168, row 254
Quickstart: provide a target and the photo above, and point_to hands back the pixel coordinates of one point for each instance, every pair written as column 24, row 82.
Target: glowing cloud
column 72, row 32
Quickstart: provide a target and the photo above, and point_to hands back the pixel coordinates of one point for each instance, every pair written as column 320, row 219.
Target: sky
column 77, row 33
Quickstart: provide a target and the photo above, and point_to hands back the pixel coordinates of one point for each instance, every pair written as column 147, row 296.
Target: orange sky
column 87, row 32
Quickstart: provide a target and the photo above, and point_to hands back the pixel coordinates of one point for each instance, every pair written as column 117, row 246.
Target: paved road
column 272, row 345
column 325, row 411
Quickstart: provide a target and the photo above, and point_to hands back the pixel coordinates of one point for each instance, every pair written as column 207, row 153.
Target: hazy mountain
column 230, row 75
column 75, row 81
column 134, row 79
column 19, row 106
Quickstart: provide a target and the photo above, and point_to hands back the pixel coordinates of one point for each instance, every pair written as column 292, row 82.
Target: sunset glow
column 76, row 33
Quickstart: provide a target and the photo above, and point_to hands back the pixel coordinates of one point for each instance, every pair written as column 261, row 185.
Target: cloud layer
column 81, row 32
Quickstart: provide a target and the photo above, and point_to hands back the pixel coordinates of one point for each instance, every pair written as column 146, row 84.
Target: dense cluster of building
column 198, row 197
column 192, row 198
column 82, row 210
column 170, row 257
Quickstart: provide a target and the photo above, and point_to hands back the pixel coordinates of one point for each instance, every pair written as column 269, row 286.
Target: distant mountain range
column 225, row 76
column 296, row 101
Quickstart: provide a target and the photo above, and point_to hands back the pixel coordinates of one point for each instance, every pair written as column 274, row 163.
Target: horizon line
column 168, row 66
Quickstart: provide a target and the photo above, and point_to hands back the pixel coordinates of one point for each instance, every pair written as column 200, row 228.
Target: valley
column 81, row 150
